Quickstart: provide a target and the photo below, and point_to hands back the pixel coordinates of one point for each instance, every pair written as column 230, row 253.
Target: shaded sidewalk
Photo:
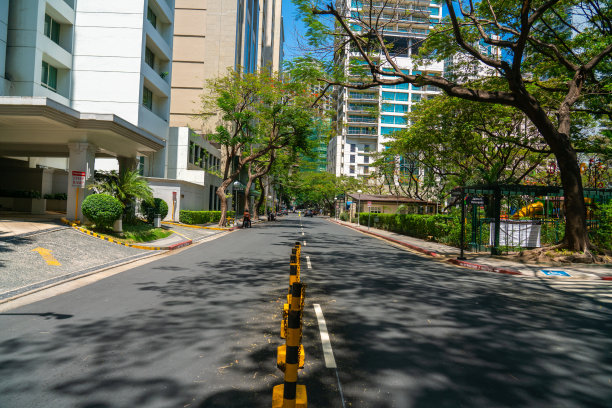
column 484, row 262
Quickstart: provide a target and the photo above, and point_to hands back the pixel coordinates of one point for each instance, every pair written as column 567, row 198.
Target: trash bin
column 157, row 221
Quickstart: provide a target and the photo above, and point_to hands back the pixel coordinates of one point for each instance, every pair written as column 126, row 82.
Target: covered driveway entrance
column 41, row 127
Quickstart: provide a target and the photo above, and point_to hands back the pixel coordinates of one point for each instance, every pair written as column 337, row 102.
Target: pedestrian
column 246, row 219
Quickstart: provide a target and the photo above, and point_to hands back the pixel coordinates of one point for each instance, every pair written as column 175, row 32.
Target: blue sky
column 293, row 29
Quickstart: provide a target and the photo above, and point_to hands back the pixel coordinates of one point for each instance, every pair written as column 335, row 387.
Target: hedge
column 439, row 228
column 102, row 209
column 149, row 210
column 201, row 217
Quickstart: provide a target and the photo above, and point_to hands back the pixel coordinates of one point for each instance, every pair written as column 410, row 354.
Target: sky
column 294, row 28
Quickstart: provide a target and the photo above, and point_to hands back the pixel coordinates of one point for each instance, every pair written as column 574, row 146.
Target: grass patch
column 132, row 234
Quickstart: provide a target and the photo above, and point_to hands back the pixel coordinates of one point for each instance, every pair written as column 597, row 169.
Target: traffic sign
column 369, row 203
column 78, row 179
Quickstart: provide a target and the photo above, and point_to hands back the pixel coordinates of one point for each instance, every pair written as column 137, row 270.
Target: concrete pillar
column 127, row 163
column 81, row 158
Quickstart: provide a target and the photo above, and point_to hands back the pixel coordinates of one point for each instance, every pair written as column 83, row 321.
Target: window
column 353, row 147
column 48, row 76
column 149, row 57
column 366, row 148
column 388, row 130
column 352, row 169
column 375, row 210
column 52, row 29
column 366, row 159
column 191, row 150
column 147, row 98
column 151, row 17
column 366, row 170
column 352, row 157
column 416, row 97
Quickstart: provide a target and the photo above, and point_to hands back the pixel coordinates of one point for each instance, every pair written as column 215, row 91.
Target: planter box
column 56, row 205
column 19, row 204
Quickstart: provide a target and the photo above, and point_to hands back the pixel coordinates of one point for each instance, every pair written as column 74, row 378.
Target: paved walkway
column 487, row 262
column 17, row 224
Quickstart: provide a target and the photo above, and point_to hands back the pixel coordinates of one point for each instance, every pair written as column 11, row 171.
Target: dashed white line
column 308, row 262
column 304, row 242
column 328, row 354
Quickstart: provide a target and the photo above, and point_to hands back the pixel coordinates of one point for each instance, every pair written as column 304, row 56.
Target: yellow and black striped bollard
column 297, row 303
column 290, row 394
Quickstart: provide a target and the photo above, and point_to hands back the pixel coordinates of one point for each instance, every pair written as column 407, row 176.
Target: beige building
column 210, row 37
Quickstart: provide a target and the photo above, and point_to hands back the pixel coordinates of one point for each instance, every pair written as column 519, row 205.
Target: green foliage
column 149, row 209
column 602, row 235
column 20, row 193
column 439, row 228
column 201, row 217
column 58, row 196
column 127, row 186
column 314, row 189
column 102, row 209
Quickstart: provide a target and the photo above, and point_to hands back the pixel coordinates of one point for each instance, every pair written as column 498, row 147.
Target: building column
column 81, row 159
column 127, row 163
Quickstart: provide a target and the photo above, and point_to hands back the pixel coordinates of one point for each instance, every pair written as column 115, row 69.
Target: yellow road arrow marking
column 46, row 255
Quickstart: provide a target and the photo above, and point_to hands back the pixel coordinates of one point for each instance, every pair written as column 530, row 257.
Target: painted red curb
column 480, row 267
column 606, row 278
column 179, row 245
column 416, row 248
column 470, row 265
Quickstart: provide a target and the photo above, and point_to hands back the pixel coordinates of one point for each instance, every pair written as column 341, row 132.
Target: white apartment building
column 80, row 81
column 367, row 118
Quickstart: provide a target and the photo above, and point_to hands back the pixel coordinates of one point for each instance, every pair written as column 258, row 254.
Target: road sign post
column 78, row 182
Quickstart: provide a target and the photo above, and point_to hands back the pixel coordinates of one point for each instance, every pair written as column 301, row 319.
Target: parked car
column 308, row 213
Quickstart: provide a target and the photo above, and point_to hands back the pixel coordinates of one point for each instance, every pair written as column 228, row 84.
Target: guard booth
column 505, row 218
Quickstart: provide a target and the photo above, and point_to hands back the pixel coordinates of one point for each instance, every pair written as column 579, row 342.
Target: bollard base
column 281, row 357
column 300, row 399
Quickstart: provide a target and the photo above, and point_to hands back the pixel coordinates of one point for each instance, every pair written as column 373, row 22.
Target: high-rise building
column 82, row 81
column 210, row 37
column 367, row 118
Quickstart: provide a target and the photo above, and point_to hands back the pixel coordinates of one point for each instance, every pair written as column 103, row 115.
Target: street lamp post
column 358, row 206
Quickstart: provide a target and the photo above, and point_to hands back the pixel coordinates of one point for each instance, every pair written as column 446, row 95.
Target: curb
column 480, row 267
column 458, row 262
column 109, row 239
column 178, row 224
column 433, row 254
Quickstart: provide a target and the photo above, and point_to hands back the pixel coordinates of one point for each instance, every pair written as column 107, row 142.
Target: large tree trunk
column 223, row 198
column 576, row 234
column 262, row 197
column 247, row 190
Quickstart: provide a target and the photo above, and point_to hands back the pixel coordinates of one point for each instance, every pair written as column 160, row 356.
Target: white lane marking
column 302, row 232
column 308, row 262
column 304, row 242
column 328, row 354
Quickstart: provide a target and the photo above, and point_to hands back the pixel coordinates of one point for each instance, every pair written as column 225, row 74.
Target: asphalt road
column 200, row 329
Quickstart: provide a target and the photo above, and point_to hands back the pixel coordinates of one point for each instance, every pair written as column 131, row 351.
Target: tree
column 128, row 186
column 555, row 61
column 316, row 189
column 456, row 142
column 258, row 113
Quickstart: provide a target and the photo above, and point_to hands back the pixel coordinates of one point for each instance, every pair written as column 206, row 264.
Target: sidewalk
column 486, row 262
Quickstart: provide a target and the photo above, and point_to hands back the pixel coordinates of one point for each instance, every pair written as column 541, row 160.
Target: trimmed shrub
column 158, row 206
column 201, row 217
column 344, row 216
column 102, row 209
column 602, row 234
column 439, row 228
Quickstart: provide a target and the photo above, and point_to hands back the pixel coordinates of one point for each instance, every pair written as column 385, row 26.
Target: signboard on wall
column 78, row 179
